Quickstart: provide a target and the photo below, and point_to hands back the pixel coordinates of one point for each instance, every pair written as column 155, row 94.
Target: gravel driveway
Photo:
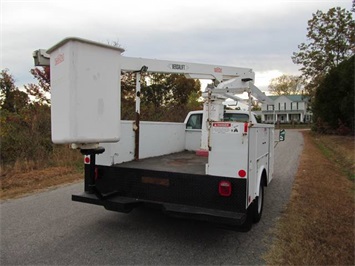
column 49, row 229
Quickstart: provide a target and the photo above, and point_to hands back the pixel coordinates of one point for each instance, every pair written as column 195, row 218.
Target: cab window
column 194, row 122
column 236, row 117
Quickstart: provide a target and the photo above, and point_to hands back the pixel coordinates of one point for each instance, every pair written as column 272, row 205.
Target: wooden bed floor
column 181, row 162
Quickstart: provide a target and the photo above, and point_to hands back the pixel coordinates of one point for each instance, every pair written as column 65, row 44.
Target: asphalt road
column 49, row 229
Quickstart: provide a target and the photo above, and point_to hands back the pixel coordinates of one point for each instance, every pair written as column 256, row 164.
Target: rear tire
column 258, row 204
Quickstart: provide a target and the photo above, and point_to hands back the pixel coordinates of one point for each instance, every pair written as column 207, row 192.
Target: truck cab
column 193, row 120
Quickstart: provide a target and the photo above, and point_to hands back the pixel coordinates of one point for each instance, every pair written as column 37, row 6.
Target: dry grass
column 317, row 227
column 14, row 185
column 25, row 177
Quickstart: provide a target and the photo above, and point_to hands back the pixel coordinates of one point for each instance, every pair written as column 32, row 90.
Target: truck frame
column 214, row 172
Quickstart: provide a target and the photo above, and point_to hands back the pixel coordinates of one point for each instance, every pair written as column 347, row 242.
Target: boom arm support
column 192, row 70
column 240, row 85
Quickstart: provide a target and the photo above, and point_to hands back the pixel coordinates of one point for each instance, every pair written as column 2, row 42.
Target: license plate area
column 165, row 182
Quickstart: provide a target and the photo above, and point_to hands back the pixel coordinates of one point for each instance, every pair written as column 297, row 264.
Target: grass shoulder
column 16, row 185
column 317, row 227
column 27, row 177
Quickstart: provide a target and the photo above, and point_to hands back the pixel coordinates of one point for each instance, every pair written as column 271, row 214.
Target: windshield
column 235, row 117
column 195, row 120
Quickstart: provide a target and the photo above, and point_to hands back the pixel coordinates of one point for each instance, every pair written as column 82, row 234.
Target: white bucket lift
column 85, row 87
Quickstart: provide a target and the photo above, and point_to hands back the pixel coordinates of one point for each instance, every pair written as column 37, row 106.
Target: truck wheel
column 258, row 204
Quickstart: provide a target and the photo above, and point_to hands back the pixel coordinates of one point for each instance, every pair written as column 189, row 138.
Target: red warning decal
column 221, row 124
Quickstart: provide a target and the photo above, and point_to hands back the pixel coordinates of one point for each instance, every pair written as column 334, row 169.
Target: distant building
column 287, row 109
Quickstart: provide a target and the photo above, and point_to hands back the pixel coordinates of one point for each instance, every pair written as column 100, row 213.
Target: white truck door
column 229, row 150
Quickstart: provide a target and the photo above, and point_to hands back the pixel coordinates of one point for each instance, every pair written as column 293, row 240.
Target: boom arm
column 192, row 70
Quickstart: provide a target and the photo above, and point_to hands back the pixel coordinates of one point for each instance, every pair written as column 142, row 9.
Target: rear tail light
column 225, row 188
column 87, row 159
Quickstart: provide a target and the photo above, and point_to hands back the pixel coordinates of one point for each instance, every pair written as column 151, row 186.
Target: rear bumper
column 126, row 204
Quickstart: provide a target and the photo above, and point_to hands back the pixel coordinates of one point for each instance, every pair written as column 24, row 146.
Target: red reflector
column 242, row 173
column 87, row 159
column 245, row 127
column 225, row 188
column 203, row 153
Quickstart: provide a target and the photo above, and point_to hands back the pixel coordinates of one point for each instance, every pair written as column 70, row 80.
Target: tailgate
column 179, row 194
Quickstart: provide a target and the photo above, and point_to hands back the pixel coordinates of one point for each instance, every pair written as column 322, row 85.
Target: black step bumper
column 126, row 204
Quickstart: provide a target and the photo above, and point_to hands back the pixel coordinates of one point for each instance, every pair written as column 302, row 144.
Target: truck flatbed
column 185, row 162
column 175, row 183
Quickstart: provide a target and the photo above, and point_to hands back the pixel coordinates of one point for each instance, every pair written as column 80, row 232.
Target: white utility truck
column 212, row 167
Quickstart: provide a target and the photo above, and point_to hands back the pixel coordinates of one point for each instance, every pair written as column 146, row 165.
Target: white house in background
column 287, row 109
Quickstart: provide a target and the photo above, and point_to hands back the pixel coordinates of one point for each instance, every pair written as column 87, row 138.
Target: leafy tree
column 164, row 97
column 12, row 99
column 169, row 89
column 169, row 97
column 25, row 126
column 285, row 85
column 331, row 39
column 333, row 106
column 183, row 89
column 157, row 92
column 128, row 95
column 40, row 91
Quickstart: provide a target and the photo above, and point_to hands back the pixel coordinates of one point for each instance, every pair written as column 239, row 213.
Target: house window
column 270, row 107
column 294, row 106
column 282, row 106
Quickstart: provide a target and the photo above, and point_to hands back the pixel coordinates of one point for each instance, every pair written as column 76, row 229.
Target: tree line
column 164, row 97
column 25, row 124
column 327, row 67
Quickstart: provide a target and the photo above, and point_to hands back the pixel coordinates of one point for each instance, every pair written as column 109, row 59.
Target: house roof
column 293, row 98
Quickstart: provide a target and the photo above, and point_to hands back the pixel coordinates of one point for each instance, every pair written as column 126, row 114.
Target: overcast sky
column 261, row 35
